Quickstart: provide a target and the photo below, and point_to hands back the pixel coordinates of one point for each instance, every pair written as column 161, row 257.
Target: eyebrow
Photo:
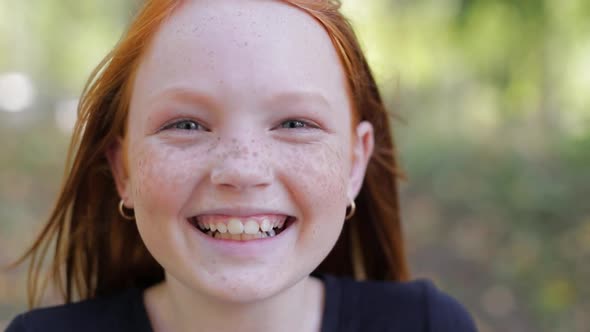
column 286, row 97
column 294, row 97
column 189, row 95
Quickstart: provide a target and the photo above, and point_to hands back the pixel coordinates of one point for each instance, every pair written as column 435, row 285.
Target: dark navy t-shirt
column 368, row 306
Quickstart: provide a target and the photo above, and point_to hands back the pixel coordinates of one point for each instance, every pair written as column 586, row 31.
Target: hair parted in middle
column 98, row 252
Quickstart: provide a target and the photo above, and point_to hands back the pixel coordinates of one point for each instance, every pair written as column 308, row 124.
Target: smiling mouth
column 242, row 228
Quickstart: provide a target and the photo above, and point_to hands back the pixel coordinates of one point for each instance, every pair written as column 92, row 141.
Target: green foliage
column 495, row 140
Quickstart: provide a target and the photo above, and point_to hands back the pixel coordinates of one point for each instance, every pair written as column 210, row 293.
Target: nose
column 242, row 169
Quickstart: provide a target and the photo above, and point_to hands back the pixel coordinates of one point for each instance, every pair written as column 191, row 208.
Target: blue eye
column 296, row 124
column 185, row 125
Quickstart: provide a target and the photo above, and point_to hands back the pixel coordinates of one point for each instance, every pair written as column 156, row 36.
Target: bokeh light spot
column 16, row 92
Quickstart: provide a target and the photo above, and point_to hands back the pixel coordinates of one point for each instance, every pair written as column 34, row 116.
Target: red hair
column 97, row 252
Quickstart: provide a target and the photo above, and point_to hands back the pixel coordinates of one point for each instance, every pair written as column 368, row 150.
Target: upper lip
column 244, row 211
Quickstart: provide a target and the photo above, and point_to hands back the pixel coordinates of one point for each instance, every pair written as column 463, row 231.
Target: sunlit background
column 492, row 99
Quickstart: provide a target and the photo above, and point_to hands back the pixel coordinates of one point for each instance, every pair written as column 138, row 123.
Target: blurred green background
column 493, row 106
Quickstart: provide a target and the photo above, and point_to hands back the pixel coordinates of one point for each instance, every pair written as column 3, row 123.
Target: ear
column 362, row 149
column 116, row 155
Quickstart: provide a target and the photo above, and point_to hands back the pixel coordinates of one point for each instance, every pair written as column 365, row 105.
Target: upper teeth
column 236, row 226
column 251, row 226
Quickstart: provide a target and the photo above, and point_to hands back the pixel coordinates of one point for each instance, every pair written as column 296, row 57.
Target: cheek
column 318, row 173
column 162, row 178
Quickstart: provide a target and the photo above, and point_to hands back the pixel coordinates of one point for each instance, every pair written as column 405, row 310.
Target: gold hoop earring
column 352, row 210
column 123, row 214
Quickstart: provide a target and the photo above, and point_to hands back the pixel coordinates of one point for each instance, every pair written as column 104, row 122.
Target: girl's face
column 240, row 122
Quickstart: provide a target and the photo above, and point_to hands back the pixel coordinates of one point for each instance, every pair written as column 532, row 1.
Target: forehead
column 242, row 48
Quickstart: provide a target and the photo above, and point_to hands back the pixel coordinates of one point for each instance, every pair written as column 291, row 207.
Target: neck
column 173, row 307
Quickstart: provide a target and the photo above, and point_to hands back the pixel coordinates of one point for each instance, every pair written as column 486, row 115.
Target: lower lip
column 244, row 249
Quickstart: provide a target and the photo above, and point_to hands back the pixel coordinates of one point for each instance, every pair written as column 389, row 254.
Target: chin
column 244, row 293
column 246, row 288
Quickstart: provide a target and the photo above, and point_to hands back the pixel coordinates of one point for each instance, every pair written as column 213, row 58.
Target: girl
column 232, row 169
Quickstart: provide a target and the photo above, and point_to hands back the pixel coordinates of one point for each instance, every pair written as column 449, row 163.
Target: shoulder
column 406, row 306
column 113, row 313
column 445, row 312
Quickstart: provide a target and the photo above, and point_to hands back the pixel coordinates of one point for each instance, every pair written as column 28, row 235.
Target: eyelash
column 175, row 125
column 299, row 124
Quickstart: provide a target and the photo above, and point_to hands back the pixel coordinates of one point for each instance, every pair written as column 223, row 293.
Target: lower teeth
column 243, row 236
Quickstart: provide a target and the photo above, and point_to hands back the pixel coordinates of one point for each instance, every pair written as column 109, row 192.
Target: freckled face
column 239, row 104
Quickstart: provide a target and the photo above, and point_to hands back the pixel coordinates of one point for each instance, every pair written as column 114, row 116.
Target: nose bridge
column 241, row 162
